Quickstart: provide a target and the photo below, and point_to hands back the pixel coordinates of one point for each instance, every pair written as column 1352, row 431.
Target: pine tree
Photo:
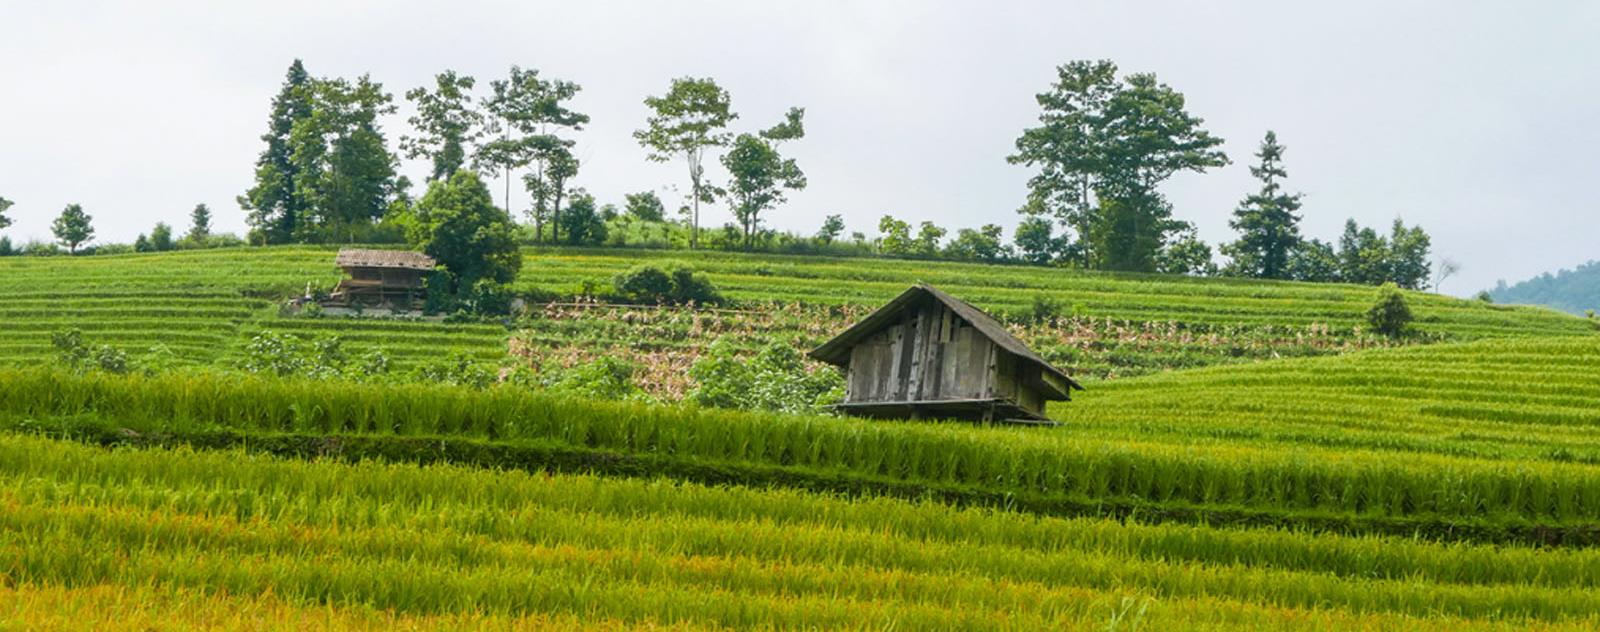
column 199, row 223
column 1269, row 229
column 275, row 205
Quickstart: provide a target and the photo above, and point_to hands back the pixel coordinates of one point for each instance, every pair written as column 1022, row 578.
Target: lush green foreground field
column 1452, row 485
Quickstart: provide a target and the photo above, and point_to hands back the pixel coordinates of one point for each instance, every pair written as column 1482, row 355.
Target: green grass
column 1490, row 440
column 464, row 546
column 203, row 306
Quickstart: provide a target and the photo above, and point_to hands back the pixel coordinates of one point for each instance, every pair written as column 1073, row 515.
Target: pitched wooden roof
column 837, row 350
column 363, row 258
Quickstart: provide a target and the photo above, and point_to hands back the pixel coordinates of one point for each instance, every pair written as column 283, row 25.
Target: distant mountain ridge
column 1572, row 290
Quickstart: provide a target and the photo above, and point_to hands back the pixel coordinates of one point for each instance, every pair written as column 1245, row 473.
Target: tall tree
column 559, row 168
column 161, row 237
column 759, row 176
column 832, row 226
column 1066, row 147
column 686, row 121
column 646, row 206
column 274, row 204
column 527, row 115
column 343, row 167
column 1363, row 255
column 1148, row 137
column 446, row 121
column 1035, row 240
column 457, row 223
column 5, row 205
column 199, row 223
column 1409, row 266
column 1269, row 229
column 73, row 227
column 1118, row 141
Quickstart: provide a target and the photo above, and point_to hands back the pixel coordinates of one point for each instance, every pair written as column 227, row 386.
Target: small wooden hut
column 380, row 277
column 929, row 354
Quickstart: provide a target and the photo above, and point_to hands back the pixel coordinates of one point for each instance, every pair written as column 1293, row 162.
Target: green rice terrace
column 1245, row 456
column 203, row 307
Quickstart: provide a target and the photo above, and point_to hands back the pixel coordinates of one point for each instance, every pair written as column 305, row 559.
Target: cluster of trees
column 327, row 175
column 1103, row 146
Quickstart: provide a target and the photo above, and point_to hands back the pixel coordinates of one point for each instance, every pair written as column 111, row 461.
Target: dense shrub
column 604, row 378
column 1390, row 316
column 776, row 379
column 676, row 284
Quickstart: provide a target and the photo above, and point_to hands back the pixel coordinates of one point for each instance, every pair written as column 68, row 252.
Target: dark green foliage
column 1044, row 308
column 929, row 236
column 5, row 205
column 274, row 203
column 776, row 379
column 1484, row 296
column 645, row 206
column 1313, row 260
column 142, row 244
column 1369, row 258
column 1269, row 229
column 73, row 227
column 446, row 122
column 832, row 226
column 984, row 244
column 759, row 175
column 343, row 168
column 674, row 283
column 1102, row 148
column 161, row 237
column 1035, row 242
column 458, row 225
column 1390, row 315
column 580, row 224
column 1188, row 255
column 199, row 224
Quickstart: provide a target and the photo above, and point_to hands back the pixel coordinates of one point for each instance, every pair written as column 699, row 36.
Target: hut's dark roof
column 362, row 258
column 837, row 350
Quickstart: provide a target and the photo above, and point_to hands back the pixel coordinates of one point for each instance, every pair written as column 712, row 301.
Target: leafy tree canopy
column 457, row 223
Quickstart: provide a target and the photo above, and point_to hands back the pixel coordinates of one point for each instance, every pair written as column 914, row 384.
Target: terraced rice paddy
column 443, row 546
column 1305, row 477
column 201, row 307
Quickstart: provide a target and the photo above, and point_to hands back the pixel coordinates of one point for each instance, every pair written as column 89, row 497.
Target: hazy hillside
column 1572, row 290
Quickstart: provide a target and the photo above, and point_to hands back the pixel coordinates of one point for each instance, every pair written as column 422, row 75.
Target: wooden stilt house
column 929, row 354
column 380, row 277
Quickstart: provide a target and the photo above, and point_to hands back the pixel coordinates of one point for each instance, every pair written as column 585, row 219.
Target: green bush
column 1390, row 316
column 78, row 355
column 675, row 284
column 604, row 378
column 285, row 355
column 776, row 379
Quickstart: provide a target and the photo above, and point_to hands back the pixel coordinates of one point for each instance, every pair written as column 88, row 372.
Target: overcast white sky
column 1477, row 120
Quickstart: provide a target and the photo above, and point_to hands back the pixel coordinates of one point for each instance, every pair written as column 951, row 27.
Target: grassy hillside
column 203, row 306
column 1452, row 486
